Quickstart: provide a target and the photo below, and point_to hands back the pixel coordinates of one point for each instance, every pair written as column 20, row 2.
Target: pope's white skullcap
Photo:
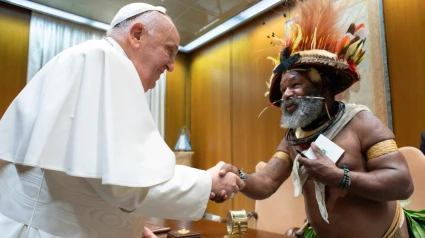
column 132, row 10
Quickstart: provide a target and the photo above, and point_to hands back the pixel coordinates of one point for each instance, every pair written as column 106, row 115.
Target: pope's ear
column 136, row 34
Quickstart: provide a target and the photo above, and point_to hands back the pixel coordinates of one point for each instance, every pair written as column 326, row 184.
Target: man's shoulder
column 358, row 115
column 369, row 129
column 364, row 115
column 364, row 121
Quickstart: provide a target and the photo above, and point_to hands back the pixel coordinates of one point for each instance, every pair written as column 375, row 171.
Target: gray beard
column 306, row 112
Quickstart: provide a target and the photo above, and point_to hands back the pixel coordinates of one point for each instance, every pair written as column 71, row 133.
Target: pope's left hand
column 322, row 169
column 147, row 233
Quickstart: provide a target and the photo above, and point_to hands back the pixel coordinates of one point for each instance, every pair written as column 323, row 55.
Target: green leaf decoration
column 416, row 222
column 309, row 233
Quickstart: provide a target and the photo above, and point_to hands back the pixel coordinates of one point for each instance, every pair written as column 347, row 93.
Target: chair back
column 281, row 211
column 416, row 161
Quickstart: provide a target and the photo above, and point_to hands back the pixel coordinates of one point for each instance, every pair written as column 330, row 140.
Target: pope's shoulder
column 91, row 47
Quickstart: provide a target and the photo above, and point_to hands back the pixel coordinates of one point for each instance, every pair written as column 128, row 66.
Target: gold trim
column 381, row 148
column 283, row 156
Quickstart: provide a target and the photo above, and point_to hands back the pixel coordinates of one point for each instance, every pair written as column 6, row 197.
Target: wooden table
column 211, row 229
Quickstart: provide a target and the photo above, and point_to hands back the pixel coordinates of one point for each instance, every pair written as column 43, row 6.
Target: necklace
column 292, row 140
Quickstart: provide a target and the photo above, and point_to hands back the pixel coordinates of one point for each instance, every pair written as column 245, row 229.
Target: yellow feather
column 275, row 62
column 298, row 39
column 361, row 57
column 351, row 49
column 313, row 39
column 305, row 43
column 357, row 53
column 359, row 60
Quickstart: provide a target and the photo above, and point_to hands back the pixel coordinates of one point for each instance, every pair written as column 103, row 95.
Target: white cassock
column 84, row 121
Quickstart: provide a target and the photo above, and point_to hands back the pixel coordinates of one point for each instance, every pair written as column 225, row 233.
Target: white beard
column 308, row 110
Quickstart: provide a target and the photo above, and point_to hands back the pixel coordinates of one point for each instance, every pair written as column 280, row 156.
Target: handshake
column 224, row 184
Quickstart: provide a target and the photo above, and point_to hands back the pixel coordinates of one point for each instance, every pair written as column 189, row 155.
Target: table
column 211, row 229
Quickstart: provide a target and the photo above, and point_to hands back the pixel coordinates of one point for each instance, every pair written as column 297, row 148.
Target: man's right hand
column 224, row 185
column 226, row 168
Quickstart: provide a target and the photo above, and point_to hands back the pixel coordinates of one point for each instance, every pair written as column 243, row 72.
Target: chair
column 416, row 161
column 280, row 212
column 422, row 144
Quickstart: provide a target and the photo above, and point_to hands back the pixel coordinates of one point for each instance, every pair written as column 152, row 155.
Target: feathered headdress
column 316, row 42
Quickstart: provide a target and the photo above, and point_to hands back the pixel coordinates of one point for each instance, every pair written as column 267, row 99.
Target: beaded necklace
column 304, row 142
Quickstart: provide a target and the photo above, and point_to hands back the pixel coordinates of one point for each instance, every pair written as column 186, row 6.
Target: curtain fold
column 156, row 101
column 49, row 36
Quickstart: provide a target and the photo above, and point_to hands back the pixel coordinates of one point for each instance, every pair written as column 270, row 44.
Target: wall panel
column 14, row 39
column 211, row 110
column 404, row 21
column 254, row 138
column 175, row 100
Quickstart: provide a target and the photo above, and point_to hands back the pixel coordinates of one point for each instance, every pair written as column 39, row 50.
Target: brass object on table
column 237, row 222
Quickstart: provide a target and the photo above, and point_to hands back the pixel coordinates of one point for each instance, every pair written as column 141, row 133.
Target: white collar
column 115, row 44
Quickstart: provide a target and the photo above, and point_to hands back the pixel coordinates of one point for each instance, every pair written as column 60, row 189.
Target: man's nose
column 288, row 93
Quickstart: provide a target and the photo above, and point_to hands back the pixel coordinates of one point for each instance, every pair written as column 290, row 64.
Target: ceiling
column 192, row 18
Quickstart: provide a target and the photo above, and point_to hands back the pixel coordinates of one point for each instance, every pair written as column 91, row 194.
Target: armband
column 381, row 148
column 283, row 156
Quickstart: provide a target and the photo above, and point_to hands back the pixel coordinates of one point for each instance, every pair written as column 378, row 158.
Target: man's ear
column 136, row 34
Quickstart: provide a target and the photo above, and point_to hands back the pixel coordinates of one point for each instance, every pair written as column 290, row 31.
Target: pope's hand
column 224, row 186
column 225, row 168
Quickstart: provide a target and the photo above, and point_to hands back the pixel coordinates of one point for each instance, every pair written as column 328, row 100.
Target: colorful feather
column 360, row 26
column 342, row 44
column 297, row 39
column 352, row 49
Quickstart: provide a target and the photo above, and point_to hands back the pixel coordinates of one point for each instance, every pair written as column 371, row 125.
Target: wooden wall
column 211, row 110
column 228, row 82
column 176, row 102
column 405, row 38
column 254, row 138
column 14, row 38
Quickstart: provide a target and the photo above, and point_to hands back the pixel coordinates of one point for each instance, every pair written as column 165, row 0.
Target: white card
column 330, row 149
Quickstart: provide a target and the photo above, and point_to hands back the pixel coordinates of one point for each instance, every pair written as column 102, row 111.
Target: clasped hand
column 224, row 185
column 322, row 169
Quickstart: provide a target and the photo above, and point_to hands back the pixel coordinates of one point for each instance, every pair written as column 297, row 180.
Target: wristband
column 346, row 179
column 241, row 175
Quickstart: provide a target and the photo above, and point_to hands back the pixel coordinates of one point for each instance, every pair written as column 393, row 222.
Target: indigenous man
column 358, row 195
column 81, row 155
